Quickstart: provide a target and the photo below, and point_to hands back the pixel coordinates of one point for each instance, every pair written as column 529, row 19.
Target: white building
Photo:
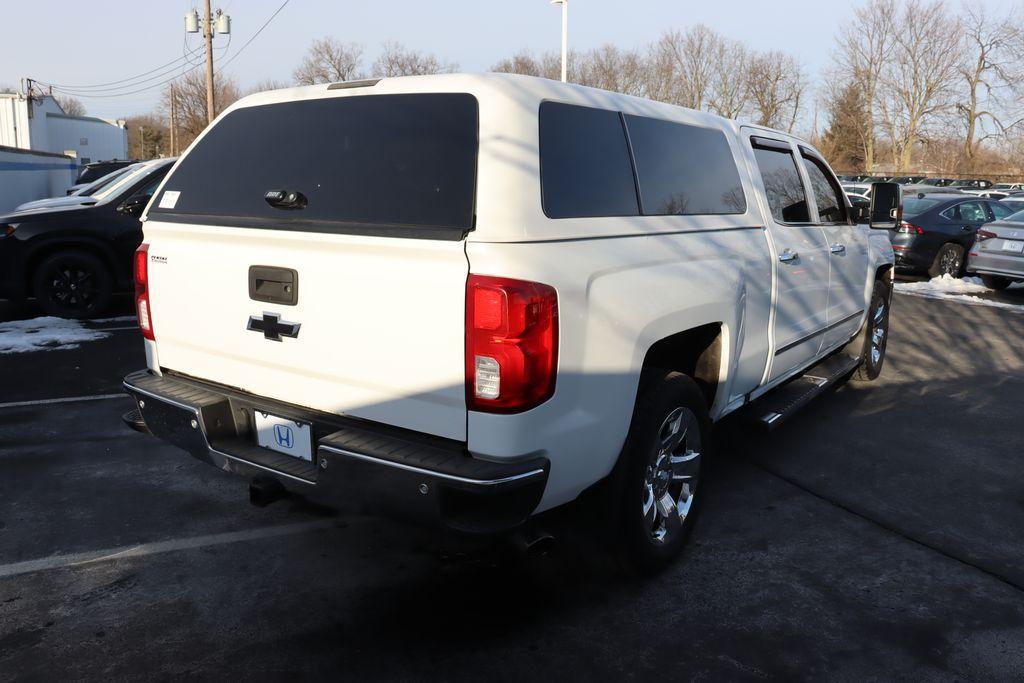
column 41, row 125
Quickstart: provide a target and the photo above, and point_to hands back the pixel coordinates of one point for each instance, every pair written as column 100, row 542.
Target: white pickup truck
column 470, row 298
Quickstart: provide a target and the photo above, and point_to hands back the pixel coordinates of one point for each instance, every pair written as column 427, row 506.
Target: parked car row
column 73, row 253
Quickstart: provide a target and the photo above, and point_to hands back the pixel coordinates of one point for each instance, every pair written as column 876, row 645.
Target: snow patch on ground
column 45, row 333
column 949, row 288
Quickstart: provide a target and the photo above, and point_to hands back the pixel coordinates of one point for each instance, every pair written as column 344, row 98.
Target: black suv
column 97, row 170
column 73, row 258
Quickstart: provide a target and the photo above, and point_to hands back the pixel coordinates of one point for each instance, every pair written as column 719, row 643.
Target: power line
column 102, row 85
column 191, row 67
column 97, row 91
column 253, row 37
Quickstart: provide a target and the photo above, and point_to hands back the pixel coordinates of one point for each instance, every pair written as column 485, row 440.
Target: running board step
column 775, row 407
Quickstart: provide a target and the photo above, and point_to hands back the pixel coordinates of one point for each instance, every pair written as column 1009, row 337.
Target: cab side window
column 827, row 194
column 782, row 183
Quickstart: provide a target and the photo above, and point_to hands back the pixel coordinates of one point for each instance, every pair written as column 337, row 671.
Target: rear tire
column 72, row 284
column 995, row 282
column 653, row 495
column 876, row 335
column 949, row 261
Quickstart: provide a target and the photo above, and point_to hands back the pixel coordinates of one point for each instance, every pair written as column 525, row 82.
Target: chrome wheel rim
column 671, row 476
column 878, row 332
column 950, row 263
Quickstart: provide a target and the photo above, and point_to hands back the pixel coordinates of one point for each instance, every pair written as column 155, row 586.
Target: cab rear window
column 375, row 164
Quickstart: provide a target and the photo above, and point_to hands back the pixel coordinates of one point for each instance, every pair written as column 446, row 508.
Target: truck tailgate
column 381, row 320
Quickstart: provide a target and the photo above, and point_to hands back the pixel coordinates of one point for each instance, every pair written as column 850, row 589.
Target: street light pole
column 565, row 36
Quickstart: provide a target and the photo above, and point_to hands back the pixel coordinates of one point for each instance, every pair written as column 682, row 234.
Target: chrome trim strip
column 431, row 473
column 132, row 387
column 812, row 335
column 250, row 463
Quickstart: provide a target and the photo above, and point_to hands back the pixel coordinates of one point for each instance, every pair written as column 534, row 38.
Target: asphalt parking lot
column 875, row 535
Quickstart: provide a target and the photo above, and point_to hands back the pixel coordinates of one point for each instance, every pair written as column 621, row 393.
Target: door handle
column 966, row 228
column 838, row 248
column 788, row 255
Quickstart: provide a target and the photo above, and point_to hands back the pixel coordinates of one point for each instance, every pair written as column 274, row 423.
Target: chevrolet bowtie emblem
column 272, row 327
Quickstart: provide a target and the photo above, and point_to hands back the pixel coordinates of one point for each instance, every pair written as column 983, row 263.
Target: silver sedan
column 998, row 252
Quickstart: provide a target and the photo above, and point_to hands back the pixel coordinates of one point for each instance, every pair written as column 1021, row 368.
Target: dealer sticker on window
column 168, row 199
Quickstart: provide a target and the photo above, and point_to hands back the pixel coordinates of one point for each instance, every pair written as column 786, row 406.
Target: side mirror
column 886, row 206
column 133, row 206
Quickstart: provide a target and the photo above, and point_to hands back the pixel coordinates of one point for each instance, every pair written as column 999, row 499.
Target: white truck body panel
column 383, row 319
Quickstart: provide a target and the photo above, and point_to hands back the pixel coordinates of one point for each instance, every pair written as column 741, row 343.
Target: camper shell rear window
column 390, row 165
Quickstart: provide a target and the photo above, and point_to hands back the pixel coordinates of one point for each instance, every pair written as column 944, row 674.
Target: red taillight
column 142, row 307
column 906, row 227
column 511, row 344
column 985, row 235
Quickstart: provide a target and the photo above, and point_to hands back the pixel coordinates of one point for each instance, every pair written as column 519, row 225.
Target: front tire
column 655, row 489
column 72, row 284
column 876, row 335
column 995, row 282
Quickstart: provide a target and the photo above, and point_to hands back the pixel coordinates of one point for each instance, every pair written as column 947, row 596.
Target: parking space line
column 145, row 549
column 69, row 399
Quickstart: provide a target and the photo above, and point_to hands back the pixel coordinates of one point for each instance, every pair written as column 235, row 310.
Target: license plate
column 1017, row 247
column 284, row 436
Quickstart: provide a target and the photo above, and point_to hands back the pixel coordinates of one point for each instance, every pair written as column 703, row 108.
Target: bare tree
column 267, row 84
column 71, row 106
column 611, row 68
column 189, row 94
column 865, row 48
column 990, row 70
column 776, row 83
column 729, row 93
column 918, row 81
column 397, row 60
column 683, row 64
column 328, row 60
column 548, row 65
column 147, row 136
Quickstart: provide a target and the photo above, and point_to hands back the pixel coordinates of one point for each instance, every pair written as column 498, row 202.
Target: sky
column 102, row 41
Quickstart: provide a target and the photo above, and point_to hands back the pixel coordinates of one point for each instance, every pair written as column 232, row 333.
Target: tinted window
column 782, row 184
column 973, row 212
column 684, row 169
column 827, row 195
column 584, row 163
column 1016, row 217
column 395, row 160
column 1001, row 211
column 915, row 205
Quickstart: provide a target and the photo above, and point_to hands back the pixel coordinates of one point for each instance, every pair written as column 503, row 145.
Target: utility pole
column 222, row 25
column 208, row 35
column 174, row 123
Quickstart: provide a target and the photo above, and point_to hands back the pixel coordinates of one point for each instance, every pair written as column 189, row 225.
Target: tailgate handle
column 274, row 285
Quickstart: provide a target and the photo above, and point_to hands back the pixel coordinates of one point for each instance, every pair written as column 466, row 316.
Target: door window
column 827, row 194
column 1000, row 211
column 782, row 184
column 973, row 212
